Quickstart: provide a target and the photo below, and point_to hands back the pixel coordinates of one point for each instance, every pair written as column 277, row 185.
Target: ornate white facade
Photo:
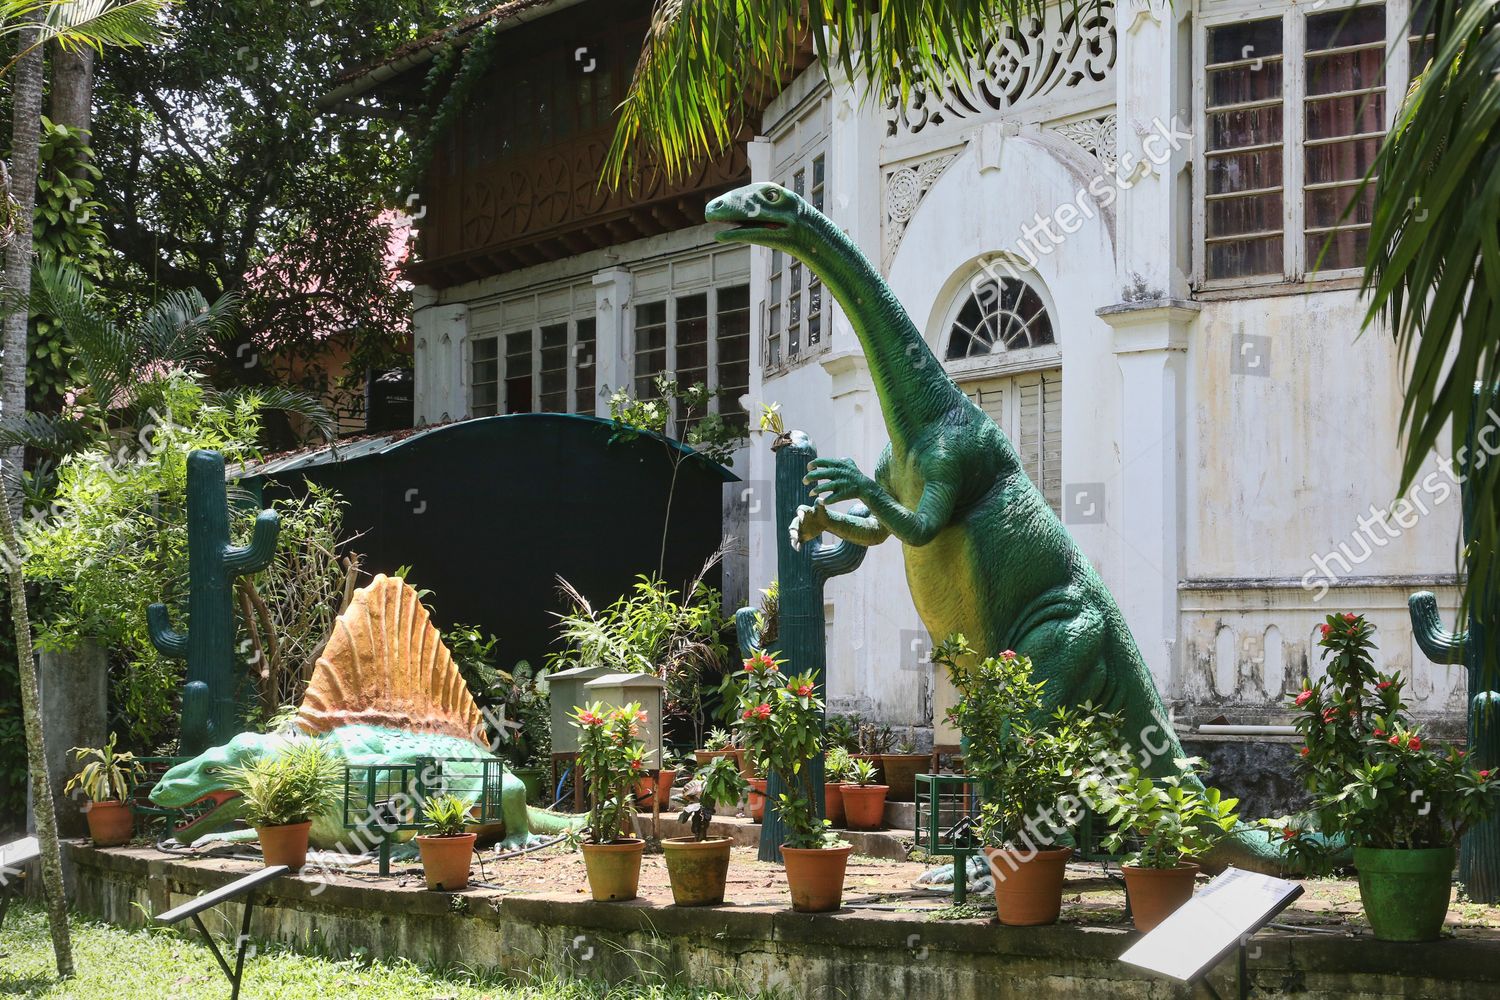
column 1217, row 430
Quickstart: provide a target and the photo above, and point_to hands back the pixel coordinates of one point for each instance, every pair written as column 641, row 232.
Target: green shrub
column 295, row 786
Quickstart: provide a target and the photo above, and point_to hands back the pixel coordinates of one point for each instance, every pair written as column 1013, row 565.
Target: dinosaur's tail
column 548, row 824
column 1259, row 850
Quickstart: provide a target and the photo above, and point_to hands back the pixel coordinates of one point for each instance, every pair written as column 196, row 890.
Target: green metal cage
column 947, row 818
column 383, row 800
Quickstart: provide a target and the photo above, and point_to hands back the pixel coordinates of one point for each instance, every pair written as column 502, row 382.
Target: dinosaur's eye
column 772, row 195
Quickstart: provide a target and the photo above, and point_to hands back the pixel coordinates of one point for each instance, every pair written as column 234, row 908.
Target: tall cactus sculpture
column 211, row 698
column 801, row 576
column 1479, row 855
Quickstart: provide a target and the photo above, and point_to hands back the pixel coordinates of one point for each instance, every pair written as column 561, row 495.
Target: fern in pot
column 698, row 866
column 445, row 843
column 282, row 794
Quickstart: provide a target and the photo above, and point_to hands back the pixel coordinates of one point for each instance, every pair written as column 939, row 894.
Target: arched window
column 1001, row 314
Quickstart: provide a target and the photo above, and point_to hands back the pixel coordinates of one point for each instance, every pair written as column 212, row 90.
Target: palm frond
column 1433, row 269
column 91, row 23
column 44, row 432
column 706, row 65
column 286, row 400
column 101, row 349
column 178, row 330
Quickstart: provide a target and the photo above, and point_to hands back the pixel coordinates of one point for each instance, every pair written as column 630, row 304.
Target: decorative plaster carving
column 1095, row 136
column 1072, row 47
column 905, row 187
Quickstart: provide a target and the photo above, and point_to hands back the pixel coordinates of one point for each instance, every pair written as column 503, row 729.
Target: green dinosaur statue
column 201, row 782
column 985, row 555
column 385, row 691
column 801, row 573
column 210, row 701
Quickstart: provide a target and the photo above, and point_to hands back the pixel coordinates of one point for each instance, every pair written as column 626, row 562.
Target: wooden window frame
column 671, row 297
column 1293, row 161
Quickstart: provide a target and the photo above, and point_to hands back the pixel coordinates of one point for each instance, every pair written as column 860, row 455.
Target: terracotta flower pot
column 864, row 806
column 901, row 770
column 110, row 823
column 1155, row 893
column 815, row 877
column 648, row 791
column 697, row 869
column 284, row 845
column 1028, row 884
column 614, row 869
column 742, row 761
column 1405, row 892
column 757, row 799
column 445, row 861
column 833, row 803
column 704, row 756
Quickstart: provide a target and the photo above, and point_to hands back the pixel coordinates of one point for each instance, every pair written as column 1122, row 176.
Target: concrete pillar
column 1150, row 344
column 74, row 687
column 440, row 375
column 614, row 327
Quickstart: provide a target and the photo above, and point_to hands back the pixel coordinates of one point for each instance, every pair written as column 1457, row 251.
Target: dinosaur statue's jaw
column 209, row 813
column 758, row 231
column 759, row 213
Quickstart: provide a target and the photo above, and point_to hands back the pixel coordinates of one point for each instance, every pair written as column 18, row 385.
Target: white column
column 439, row 377
column 613, row 328
column 1150, row 344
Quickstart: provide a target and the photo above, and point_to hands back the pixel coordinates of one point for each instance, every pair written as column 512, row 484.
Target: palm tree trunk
column 26, row 115
column 36, row 758
column 71, row 102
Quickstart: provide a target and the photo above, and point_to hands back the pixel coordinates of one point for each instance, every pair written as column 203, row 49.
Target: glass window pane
column 554, row 372
column 585, row 367
column 733, row 369
column 650, row 347
column 518, row 372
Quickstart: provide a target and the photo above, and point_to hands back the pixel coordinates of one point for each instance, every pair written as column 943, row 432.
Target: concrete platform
column 892, row 844
column 883, row 944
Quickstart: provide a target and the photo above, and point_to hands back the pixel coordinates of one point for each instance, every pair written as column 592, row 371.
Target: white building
column 1114, row 235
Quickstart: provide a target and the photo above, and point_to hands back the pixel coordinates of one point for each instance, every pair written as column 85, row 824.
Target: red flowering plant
column 780, row 725
column 611, row 758
column 1372, row 775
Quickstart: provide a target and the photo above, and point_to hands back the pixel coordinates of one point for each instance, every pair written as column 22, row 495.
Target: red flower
column 1349, row 616
column 1383, row 685
column 1330, row 713
column 1394, row 741
column 1304, row 698
column 1009, row 654
column 1325, row 629
column 641, row 716
column 1305, row 751
column 1484, row 774
column 590, row 719
column 1414, row 744
column 636, row 765
column 761, row 711
column 747, row 713
column 1288, row 832
column 802, row 689
column 1379, row 732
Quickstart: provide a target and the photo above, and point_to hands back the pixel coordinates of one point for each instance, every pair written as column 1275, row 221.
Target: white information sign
column 1210, row 925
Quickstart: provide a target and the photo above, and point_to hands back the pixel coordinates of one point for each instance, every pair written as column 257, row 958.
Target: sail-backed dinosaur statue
column 386, row 691
column 985, row 555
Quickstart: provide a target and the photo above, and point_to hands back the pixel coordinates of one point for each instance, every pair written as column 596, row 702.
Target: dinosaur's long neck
column 914, row 390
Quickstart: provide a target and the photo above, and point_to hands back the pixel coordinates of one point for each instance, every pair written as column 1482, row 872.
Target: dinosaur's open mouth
column 760, row 224
column 201, row 808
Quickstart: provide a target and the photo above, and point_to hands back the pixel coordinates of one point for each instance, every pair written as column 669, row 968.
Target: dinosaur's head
column 201, row 788
column 766, row 214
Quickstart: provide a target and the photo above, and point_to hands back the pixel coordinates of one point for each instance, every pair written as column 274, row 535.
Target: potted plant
column 870, row 744
column 837, row 769
column 445, row 843
column 901, row 769
column 649, row 790
column 611, row 759
column 864, row 800
column 756, row 800
column 107, row 776
column 780, row 724
column 1402, row 801
column 698, row 866
column 1032, row 770
column 1172, row 819
column 282, row 794
column 718, row 743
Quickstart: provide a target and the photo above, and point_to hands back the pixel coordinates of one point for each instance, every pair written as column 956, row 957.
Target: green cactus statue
column 801, row 576
column 210, row 698
column 1479, row 855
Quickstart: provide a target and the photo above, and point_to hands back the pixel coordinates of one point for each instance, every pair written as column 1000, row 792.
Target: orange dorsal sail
column 386, row 665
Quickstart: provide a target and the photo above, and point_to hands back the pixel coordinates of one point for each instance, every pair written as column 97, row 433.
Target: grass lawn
column 146, row 965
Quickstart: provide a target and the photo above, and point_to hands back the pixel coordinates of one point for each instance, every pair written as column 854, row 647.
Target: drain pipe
column 1211, row 729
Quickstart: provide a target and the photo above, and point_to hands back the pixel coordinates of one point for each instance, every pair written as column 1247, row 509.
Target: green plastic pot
column 531, row 777
column 1405, row 892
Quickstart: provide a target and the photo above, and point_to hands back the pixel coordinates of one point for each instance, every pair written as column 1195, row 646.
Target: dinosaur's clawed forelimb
column 855, row 525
